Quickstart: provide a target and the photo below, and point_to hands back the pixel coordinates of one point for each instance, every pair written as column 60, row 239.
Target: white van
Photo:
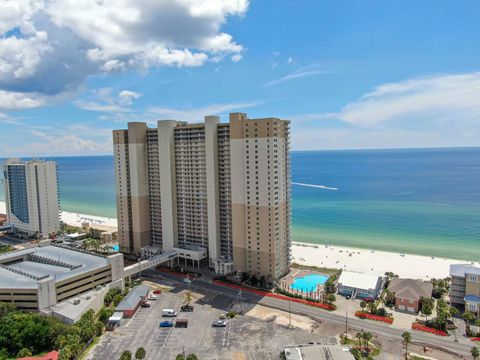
column 169, row 313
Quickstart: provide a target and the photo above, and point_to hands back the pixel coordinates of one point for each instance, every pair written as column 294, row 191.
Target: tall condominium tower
column 31, row 194
column 221, row 187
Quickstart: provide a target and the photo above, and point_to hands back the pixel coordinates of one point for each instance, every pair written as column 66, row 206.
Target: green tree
column 117, row 299
column 359, row 336
column 126, row 355
column 330, row 298
column 104, row 314
column 363, row 305
column 140, row 354
column 372, row 307
column 367, row 336
column 407, row 339
column 426, row 307
column 475, row 353
column 24, row 352
column 468, row 316
column 192, row 357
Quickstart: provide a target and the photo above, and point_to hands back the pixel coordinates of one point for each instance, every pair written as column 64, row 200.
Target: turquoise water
column 419, row 201
column 309, row 282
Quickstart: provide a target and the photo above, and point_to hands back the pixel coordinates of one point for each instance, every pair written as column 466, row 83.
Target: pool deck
column 288, row 280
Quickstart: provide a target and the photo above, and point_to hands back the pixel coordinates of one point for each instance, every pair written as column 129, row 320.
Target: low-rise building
column 317, row 352
column 359, row 285
column 130, row 304
column 408, row 293
column 465, row 287
column 38, row 278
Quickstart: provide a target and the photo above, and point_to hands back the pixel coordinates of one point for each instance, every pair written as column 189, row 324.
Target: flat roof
column 460, row 270
column 28, row 264
column 317, row 352
column 358, row 280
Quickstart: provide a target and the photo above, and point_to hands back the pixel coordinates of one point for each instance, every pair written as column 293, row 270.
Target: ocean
column 419, row 201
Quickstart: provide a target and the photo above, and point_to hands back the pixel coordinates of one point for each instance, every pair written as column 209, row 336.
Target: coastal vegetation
column 23, row 333
column 6, row 248
column 362, row 346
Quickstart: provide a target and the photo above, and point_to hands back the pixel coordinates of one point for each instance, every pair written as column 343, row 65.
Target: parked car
column 188, row 308
column 222, row 316
column 169, row 313
column 187, row 280
column 157, row 292
column 145, row 304
column 219, row 323
column 166, row 323
column 181, row 323
column 152, row 297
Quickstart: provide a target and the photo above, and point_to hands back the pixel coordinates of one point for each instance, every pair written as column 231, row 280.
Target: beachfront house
column 359, row 285
column 408, row 293
column 465, row 287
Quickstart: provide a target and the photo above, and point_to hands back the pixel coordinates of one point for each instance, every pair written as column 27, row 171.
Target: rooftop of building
column 317, row 352
column 459, row 270
column 24, row 268
column 410, row 289
column 133, row 298
column 358, row 280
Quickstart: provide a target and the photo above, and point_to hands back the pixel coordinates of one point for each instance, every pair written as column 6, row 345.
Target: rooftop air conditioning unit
column 76, row 301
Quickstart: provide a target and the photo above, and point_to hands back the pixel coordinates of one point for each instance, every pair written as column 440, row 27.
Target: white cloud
column 197, row 114
column 431, row 111
column 72, row 39
column 127, row 97
column 14, row 100
column 290, row 60
column 61, row 142
column 440, row 97
column 297, row 74
column 106, row 101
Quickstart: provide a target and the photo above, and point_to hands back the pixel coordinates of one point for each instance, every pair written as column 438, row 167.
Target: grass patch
column 329, row 271
column 374, row 350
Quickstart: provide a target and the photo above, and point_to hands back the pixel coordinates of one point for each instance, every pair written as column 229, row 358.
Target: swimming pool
column 309, row 282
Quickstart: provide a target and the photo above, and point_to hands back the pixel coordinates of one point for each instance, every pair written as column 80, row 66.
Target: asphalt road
column 322, row 315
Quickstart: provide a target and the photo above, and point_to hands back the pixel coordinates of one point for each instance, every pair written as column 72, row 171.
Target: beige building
column 465, row 287
column 223, row 187
column 31, row 196
column 40, row 277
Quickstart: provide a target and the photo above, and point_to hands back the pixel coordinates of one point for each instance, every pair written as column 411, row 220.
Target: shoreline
column 372, row 261
column 350, row 258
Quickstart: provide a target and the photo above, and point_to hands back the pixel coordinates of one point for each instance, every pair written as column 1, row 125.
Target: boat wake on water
column 315, row 186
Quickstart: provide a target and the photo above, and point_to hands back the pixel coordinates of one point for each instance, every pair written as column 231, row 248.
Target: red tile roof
column 52, row 355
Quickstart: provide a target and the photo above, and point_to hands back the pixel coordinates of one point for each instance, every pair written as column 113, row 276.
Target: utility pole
column 289, row 314
column 346, row 326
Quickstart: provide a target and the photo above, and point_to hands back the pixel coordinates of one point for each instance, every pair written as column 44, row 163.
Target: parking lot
column 244, row 337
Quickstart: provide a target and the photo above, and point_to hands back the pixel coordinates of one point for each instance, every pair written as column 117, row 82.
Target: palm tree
column 126, row 355
column 187, row 299
column 140, row 353
column 468, row 316
column 359, row 336
column 407, row 339
column 475, row 353
column 367, row 336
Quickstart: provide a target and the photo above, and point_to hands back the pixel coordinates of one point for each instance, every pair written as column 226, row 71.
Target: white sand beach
column 76, row 219
column 353, row 259
column 372, row 261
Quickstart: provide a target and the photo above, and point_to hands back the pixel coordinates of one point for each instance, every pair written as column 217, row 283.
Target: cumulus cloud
column 52, row 46
column 106, row 100
column 15, row 100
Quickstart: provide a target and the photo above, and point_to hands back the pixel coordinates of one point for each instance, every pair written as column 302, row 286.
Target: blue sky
column 349, row 74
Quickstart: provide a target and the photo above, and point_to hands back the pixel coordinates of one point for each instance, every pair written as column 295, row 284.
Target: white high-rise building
column 31, row 195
